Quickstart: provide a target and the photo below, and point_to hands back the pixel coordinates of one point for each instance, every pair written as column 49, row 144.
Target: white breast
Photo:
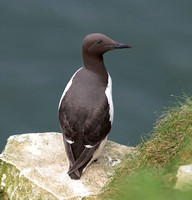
column 108, row 93
column 67, row 87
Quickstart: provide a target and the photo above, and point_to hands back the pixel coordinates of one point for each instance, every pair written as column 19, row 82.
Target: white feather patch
column 108, row 93
column 69, row 141
column 89, row 146
column 67, row 87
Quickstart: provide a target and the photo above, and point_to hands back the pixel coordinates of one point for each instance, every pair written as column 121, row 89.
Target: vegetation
column 151, row 174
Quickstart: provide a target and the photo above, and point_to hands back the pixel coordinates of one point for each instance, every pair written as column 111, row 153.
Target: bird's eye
column 99, row 41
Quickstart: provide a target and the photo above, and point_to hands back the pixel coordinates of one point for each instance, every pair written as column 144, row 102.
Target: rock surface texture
column 34, row 166
column 184, row 178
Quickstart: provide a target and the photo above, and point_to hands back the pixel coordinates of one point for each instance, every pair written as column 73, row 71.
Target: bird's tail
column 83, row 160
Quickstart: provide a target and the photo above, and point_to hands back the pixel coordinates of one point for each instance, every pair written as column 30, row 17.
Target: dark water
column 40, row 43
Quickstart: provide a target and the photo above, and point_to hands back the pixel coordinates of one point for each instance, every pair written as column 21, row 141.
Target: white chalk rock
column 184, row 178
column 34, row 166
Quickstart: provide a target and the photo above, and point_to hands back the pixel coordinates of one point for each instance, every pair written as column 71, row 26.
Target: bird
column 86, row 106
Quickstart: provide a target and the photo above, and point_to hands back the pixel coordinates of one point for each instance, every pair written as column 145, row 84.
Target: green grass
column 151, row 174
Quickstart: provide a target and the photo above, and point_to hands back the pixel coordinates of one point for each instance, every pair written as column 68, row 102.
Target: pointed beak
column 119, row 45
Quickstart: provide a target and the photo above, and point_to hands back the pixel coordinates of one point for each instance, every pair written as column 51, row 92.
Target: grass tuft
column 151, row 174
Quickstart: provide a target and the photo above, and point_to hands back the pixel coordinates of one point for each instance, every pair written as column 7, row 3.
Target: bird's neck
column 95, row 64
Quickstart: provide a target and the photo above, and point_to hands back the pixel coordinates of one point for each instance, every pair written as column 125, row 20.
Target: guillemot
column 86, row 106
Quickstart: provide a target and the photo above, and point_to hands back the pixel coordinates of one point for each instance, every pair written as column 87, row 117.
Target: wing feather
column 85, row 120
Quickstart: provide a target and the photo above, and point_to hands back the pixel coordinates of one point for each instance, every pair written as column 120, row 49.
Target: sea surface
column 40, row 49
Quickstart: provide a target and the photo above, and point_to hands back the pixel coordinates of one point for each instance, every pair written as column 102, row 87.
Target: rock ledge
column 34, row 166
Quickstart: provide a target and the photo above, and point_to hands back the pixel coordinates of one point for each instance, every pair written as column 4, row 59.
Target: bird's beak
column 119, row 45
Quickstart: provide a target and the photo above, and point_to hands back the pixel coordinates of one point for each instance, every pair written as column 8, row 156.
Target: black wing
column 82, row 127
column 84, row 119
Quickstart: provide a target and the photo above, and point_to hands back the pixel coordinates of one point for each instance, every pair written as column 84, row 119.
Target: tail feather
column 71, row 158
column 84, row 159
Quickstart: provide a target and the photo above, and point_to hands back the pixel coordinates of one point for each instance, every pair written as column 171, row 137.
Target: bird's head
column 98, row 44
